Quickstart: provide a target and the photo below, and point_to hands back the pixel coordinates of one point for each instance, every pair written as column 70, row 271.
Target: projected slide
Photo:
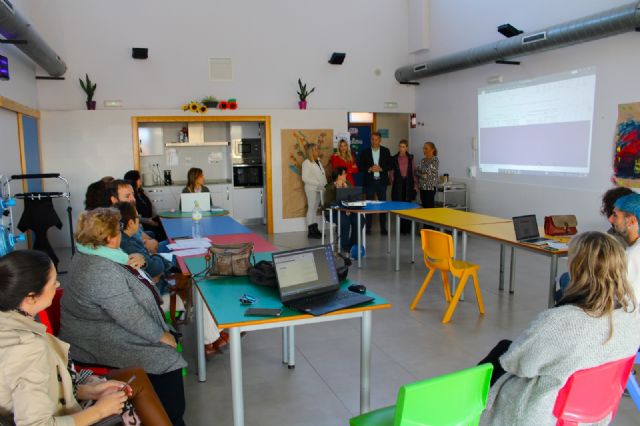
column 540, row 126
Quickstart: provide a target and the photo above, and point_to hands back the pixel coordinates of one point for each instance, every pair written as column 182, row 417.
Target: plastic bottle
column 196, row 217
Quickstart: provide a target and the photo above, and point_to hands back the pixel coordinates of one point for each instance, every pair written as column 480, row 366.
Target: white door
column 248, row 203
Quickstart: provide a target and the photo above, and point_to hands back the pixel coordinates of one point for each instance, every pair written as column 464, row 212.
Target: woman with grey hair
column 314, row 180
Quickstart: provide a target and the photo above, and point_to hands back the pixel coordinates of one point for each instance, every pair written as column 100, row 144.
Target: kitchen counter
column 184, row 183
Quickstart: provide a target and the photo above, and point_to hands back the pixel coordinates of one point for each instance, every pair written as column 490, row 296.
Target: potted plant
column 303, row 94
column 210, row 102
column 89, row 88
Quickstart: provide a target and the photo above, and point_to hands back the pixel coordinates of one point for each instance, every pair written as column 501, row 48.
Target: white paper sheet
column 190, row 243
column 190, row 252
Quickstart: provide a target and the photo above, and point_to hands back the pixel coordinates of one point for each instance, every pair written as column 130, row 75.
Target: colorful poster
column 294, row 203
column 626, row 163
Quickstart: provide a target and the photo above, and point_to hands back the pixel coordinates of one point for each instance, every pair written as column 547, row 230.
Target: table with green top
column 221, row 297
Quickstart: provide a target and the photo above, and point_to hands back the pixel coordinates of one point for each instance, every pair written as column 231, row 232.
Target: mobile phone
column 262, row 312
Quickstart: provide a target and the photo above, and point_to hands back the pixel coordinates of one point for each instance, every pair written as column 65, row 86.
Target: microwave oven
column 246, row 151
column 247, row 176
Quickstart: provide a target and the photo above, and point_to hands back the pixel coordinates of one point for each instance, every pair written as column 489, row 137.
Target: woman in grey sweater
column 111, row 314
column 596, row 322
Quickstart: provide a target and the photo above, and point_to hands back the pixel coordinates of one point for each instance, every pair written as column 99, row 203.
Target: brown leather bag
column 560, row 225
column 230, row 259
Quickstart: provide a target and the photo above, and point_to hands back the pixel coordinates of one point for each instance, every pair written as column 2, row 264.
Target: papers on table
column 558, row 245
column 190, row 243
column 168, row 256
column 189, row 247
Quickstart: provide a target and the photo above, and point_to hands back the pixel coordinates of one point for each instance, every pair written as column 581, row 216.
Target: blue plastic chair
column 633, row 387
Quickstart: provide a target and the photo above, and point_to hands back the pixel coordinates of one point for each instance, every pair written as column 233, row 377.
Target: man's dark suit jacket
column 366, row 161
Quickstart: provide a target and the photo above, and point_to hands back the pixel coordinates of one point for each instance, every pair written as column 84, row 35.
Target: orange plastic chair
column 437, row 248
column 590, row 395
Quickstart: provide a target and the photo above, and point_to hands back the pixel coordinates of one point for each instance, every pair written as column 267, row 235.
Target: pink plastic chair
column 592, row 394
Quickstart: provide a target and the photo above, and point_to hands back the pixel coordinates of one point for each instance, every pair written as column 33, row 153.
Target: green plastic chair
column 454, row 399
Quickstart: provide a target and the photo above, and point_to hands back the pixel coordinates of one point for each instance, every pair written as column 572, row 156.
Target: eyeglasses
column 247, row 299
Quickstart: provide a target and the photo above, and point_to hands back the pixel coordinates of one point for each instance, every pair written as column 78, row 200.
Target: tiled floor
column 323, row 389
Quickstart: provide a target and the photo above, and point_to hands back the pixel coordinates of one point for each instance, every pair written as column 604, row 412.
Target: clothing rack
column 44, row 195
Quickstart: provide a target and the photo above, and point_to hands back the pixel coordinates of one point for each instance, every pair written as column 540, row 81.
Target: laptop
column 350, row 197
column 188, row 201
column 308, row 281
column 526, row 228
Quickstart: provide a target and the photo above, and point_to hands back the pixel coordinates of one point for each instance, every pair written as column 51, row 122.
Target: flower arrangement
column 303, row 94
column 197, row 107
column 210, row 101
column 89, row 89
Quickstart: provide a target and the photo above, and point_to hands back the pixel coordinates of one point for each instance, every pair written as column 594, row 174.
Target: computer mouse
column 357, row 288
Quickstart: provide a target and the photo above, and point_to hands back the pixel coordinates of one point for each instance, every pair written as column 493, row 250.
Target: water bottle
column 196, row 217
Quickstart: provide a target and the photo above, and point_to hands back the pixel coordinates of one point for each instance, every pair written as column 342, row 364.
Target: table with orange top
column 491, row 227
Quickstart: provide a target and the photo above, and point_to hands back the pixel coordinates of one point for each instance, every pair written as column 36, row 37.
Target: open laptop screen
column 305, row 272
column 526, row 227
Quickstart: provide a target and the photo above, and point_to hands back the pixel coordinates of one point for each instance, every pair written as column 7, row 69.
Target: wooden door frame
column 264, row 119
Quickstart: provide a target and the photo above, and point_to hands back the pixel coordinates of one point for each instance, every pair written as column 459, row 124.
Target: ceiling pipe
column 13, row 26
column 604, row 24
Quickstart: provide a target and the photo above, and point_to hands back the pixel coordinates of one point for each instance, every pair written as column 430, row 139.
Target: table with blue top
column 209, row 226
column 221, row 297
column 376, row 207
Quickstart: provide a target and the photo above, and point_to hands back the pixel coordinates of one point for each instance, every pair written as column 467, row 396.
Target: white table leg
column 365, row 363
column 359, row 240
column 285, row 345
column 292, row 348
column 552, row 280
column 202, row 366
column 397, row 243
column 413, row 241
column 330, row 228
column 389, row 232
column 464, row 255
column 236, row 376
column 454, row 281
column 501, row 278
column 512, row 271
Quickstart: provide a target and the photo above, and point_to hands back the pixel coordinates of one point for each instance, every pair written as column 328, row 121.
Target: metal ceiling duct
column 13, row 26
column 610, row 22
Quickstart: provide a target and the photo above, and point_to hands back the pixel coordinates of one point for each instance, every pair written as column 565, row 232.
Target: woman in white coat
column 314, row 181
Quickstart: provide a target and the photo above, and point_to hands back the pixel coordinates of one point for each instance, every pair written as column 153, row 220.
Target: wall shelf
column 189, row 145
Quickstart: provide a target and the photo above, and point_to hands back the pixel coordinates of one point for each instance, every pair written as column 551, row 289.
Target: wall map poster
column 293, row 154
column 626, row 162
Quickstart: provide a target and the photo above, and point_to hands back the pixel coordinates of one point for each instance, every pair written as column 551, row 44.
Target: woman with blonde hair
column 427, row 173
column 111, row 313
column 343, row 158
column 595, row 322
column 314, row 180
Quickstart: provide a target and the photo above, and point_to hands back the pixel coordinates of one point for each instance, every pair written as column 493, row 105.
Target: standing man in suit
column 375, row 163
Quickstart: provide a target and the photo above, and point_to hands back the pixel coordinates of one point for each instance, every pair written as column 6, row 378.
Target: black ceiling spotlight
column 505, row 62
column 509, row 30
column 337, row 58
column 139, row 52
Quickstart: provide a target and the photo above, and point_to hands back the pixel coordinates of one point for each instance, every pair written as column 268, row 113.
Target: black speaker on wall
column 337, row 58
column 139, row 53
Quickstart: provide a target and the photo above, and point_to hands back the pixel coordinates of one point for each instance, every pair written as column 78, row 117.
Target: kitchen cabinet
column 248, row 205
column 221, row 196
column 151, row 140
column 164, row 198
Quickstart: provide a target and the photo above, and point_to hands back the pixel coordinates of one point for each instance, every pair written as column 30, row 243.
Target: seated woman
column 348, row 221
column 596, row 322
column 38, row 384
column 195, row 181
column 148, row 217
column 159, row 269
column 111, row 314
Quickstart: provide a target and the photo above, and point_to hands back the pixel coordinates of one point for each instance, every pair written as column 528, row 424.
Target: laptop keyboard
column 323, row 299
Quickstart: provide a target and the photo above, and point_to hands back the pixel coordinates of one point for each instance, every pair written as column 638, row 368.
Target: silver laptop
column 188, row 201
column 526, row 228
column 308, row 281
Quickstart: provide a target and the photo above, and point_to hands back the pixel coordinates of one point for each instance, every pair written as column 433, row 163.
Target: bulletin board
column 294, row 203
column 626, row 162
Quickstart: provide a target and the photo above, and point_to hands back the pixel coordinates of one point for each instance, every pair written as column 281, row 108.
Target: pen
column 128, row 382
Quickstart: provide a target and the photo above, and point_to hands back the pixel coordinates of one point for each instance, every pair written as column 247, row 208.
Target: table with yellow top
column 491, row 227
column 221, row 297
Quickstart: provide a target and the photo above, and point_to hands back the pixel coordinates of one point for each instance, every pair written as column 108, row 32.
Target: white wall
column 87, row 145
column 272, row 43
column 447, row 104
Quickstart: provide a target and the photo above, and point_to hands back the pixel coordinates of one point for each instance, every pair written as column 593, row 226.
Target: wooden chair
column 437, row 249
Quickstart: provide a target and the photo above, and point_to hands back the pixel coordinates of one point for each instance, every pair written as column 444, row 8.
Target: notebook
column 308, row 281
column 526, row 228
column 188, row 201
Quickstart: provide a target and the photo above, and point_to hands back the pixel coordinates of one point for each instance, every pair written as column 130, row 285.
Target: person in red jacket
column 343, row 158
